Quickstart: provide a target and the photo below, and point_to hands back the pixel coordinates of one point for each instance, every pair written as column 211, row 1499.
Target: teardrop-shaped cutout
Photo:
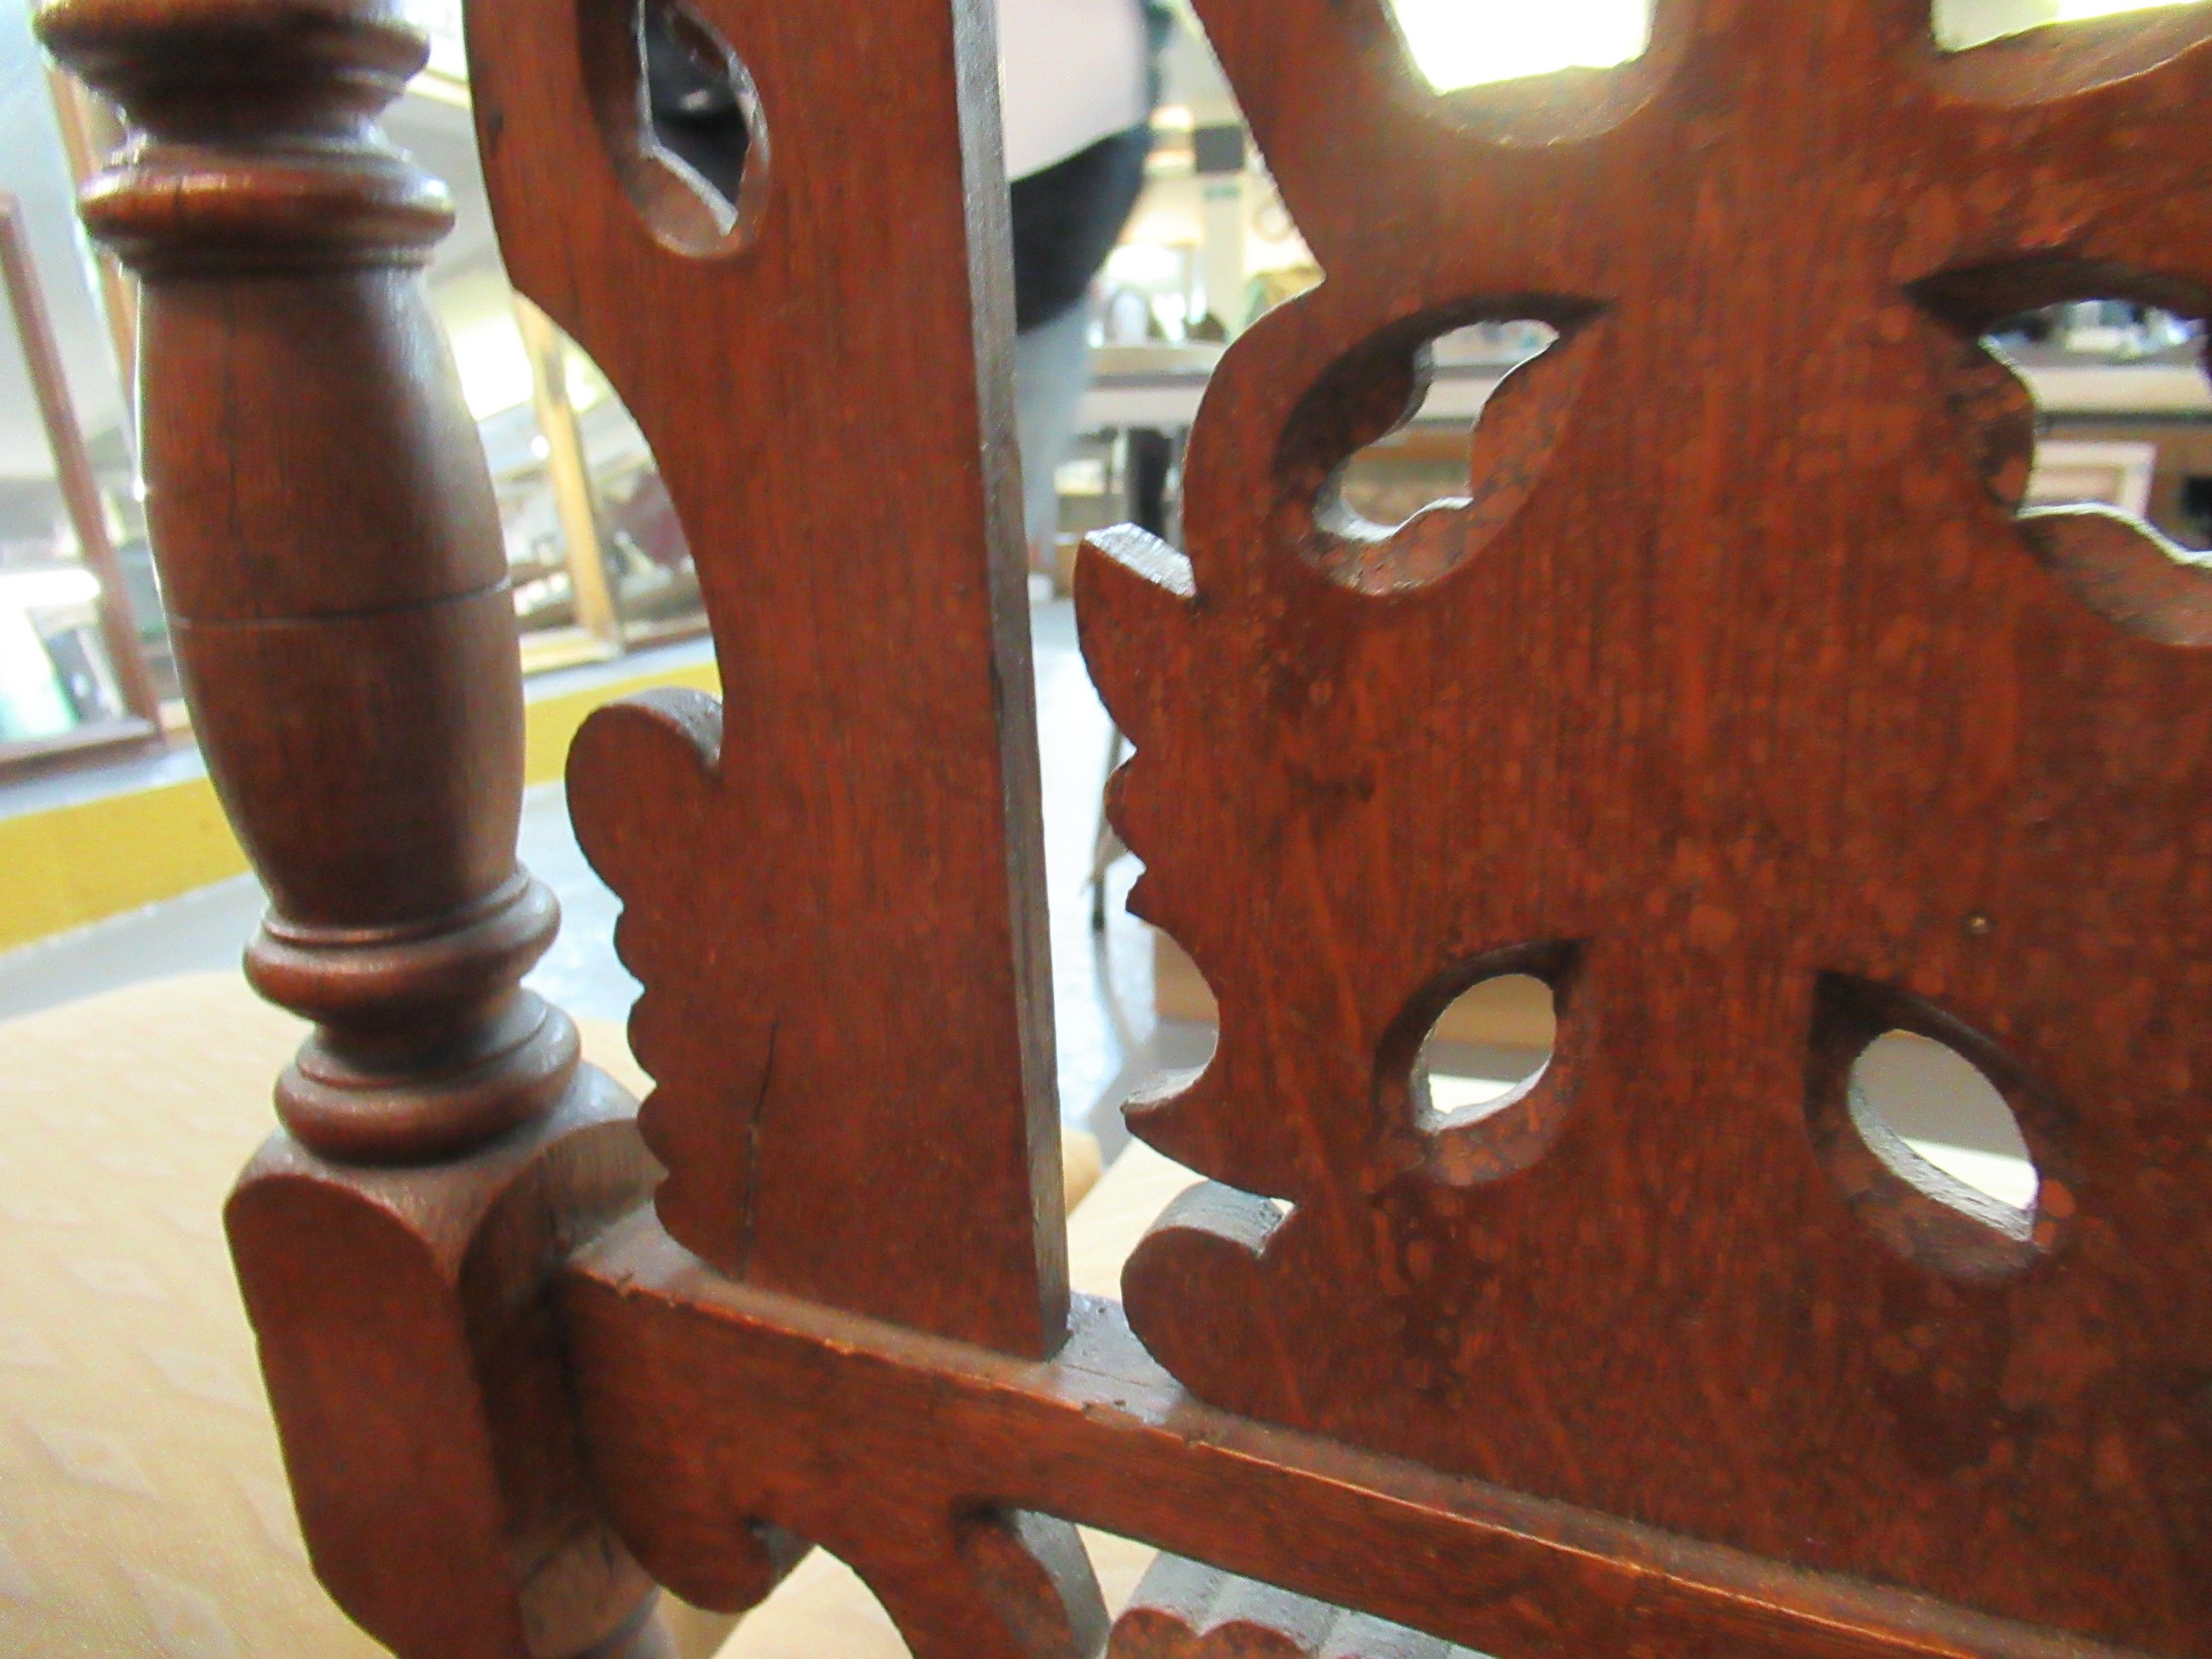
column 1470, row 1062
column 1947, row 1114
column 1920, row 1123
column 1492, row 1039
column 681, row 121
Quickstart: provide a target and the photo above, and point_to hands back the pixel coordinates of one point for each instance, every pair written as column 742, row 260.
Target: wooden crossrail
column 701, row 1396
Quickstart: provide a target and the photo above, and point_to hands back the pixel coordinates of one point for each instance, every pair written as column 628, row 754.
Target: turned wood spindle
column 329, row 548
column 330, row 552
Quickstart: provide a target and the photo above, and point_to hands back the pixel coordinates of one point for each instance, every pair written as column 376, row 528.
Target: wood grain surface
column 1738, row 702
column 832, row 880
column 715, row 1412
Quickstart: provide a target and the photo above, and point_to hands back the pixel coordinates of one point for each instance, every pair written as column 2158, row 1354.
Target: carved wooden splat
column 832, row 880
column 1746, row 712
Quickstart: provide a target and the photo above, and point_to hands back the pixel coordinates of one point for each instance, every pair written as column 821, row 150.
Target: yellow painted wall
column 553, row 722
column 75, row 864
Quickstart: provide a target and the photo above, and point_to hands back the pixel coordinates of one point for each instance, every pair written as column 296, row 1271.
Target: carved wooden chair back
column 1738, row 699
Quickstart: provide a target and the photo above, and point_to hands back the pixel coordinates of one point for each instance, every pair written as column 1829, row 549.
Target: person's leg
column 1052, row 371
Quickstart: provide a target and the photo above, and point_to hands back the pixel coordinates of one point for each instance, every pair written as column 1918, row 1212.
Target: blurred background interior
column 104, row 811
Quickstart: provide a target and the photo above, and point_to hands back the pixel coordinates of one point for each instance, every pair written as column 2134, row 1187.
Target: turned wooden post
column 331, row 551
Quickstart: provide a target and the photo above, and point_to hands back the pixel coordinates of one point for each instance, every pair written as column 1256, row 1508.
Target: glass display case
column 83, row 659
column 74, row 672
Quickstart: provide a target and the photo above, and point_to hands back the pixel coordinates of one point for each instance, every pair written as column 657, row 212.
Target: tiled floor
column 1102, row 984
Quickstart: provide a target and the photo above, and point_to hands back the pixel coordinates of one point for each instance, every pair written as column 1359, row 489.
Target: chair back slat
column 832, row 882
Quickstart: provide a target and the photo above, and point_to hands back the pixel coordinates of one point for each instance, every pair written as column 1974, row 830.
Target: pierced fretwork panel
column 1761, row 725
